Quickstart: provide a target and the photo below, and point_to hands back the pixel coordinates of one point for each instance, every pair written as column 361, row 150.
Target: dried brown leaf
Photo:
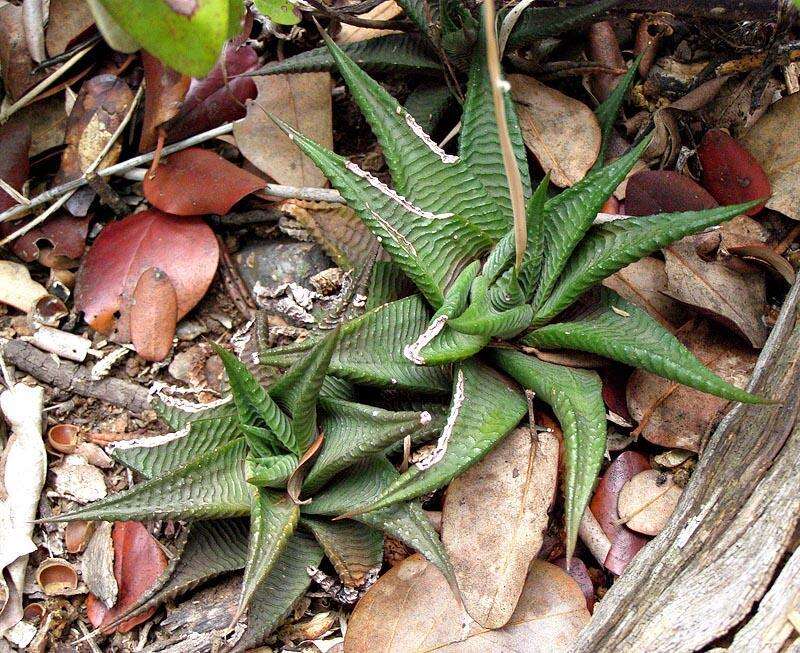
column 493, row 521
column 562, row 132
column 154, row 315
column 386, row 10
column 303, row 101
column 647, row 501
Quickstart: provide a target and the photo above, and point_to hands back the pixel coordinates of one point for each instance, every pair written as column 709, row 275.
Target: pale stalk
column 499, row 86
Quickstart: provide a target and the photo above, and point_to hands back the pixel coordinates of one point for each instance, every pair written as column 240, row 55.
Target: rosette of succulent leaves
column 279, row 477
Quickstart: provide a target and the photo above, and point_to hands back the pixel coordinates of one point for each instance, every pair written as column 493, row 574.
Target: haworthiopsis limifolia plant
column 278, row 477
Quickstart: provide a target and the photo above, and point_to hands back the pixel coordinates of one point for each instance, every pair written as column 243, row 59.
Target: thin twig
column 30, row 96
column 92, row 167
column 499, row 87
column 348, row 19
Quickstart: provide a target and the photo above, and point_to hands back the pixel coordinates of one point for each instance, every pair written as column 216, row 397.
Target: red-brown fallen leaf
column 197, row 182
column 154, row 314
column 624, row 542
column 98, row 110
column 68, row 22
column 219, row 97
column 138, row 562
column 730, row 173
column 675, row 416
column 665, row 191
column 15, row 140
column 615, row 379
column 577, row 570
column 57, row 243
column 163, row 97
column 184, row 248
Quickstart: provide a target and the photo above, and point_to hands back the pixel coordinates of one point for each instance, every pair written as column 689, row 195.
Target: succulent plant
column 306, row 459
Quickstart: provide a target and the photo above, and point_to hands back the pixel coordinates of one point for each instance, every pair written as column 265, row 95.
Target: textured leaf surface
column 389, row 52
column 404, row 521
column 576, row 398
column 485, row 407
column 210, row 486
column 355, row 431
column 273, row 518
column 277, row 594
column 569, row 215
column 541, row 22
column 451, row 346
column 273, row 471
column 608, row 111
column 611, row 246
column 431, row 248
column 207, row 430
column 479, row 143
column 387, row 284
column 354, row 549
column 629, row 335
column 298, row 389
column 481, row 318
column 253, row 404
column 370, row 351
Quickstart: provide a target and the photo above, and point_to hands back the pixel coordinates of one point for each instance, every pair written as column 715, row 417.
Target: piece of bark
column 703, row 574
column 70, row 377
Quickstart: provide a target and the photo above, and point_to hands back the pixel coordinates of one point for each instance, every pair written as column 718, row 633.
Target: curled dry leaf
column 154, row 313
column 647, row 501
column 196, row 182
column 303, row 101
column 56, row 577
column 675, row 416
column 97, row 566
column 57, row 243
column 411, row 608
column 730, row 173
column 138, row 562
column 24, row 471
column 493, row 521
column 665, row 191
column 624, row 542
column 16, row 64
column 219, row 97
column 736, row 299
column 77, row 535
column 580, row 574
column 184, row 248
column 63, row 438
column 99, row 108
column 767, row 256
column 644, row 283
column 69, row 21
column 17, row 289
column 386, row 10
column 163, row 96
column 775, row 143
column 562, row 132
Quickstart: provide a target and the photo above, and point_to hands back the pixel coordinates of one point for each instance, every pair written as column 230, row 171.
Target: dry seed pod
column 33, row 612
column 63, row 438
column 77, row 535
column 56, row 576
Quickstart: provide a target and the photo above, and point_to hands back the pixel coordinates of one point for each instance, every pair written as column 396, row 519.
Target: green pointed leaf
column 387, row 284
column 370, row 350
column 611, row 246
column 272, row 471
column 451, row 346
column 422, row 172
column 484, row 409
column 253, row 404
column 299, row 388
column 542, row 22
column 479, row 143
column 481, row 318
column 569, row 215
column 404, row 521
column 576, row 398
column 354, row 431
column 423, row 13
column 200, row 433
column 619, row 330
column 354, row 549
column 431, row 248
column 208, row 487
column 392, row 52
column 274, row 599
column 273, row 519
column 608, row 111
